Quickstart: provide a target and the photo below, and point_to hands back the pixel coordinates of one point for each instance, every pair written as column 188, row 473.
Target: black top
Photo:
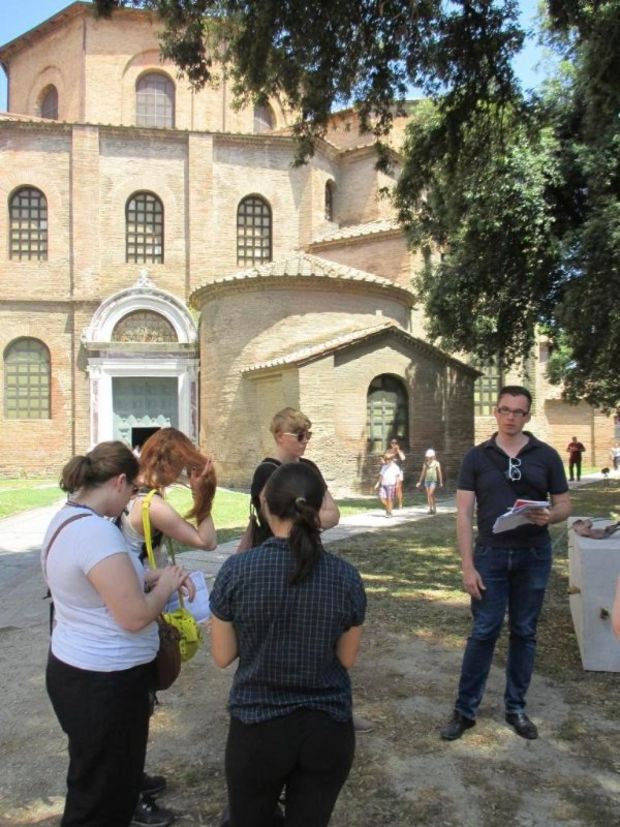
column 483, row 471
column 261, row 530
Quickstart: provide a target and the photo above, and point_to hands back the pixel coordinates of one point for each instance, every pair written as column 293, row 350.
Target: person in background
column 614, row 456
column 100, row 669
column 389, row 474
column 575, row 450
column 430, row 478
column 167, row 457
column 400, row 457
column 509, row 570
column 292, row 614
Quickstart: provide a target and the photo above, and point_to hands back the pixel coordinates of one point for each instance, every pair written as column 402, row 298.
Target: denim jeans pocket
column 480, row 552
column 542, row 553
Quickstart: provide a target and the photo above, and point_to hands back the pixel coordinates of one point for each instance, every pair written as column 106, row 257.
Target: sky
column 18, row 16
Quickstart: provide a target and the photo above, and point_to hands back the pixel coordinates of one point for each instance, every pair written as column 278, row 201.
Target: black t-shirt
column 483, row 471
column 261, row 530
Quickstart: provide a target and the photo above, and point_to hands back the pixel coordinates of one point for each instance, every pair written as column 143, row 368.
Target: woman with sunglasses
column 292, row 614
column 291, row 431
column 100, row 668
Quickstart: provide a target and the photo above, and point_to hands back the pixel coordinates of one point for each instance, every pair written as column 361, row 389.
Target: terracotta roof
column 310, row 353
column 15, row 116
column 382, row 225
column 301, row 266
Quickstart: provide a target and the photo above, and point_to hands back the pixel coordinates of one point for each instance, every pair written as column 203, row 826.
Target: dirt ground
column 403, row 773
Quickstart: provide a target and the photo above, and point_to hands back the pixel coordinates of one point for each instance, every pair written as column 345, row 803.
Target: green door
column 143, row 402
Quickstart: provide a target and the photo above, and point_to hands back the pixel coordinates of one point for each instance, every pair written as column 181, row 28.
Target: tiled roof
column 15, row 116
column 302, row 266
column 310, row 353
column 382, row 225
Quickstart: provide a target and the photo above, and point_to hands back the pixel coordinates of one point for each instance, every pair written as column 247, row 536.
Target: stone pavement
column 21, row 583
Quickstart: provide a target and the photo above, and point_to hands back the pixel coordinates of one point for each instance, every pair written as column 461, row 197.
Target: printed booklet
column 516, row 515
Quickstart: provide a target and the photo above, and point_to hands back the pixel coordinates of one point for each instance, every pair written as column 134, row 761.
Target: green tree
column 520, row 193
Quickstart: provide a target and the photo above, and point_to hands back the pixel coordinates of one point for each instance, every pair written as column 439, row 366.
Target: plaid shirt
column 286, row 634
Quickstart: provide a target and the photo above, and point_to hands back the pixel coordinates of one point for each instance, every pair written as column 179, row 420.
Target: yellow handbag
column 181, row 618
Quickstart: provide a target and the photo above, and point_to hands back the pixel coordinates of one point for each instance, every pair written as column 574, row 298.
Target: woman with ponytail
column 100, row 670
column 292, row 614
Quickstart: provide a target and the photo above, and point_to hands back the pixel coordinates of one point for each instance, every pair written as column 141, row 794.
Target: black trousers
column 106, row 718
column 574, row 466
column 308, row 753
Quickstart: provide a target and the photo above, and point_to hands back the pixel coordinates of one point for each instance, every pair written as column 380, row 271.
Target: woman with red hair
column 168, row 456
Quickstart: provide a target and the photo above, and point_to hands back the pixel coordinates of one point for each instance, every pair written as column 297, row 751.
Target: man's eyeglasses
column 300, row 436
column 514, row 469
column 517, row 412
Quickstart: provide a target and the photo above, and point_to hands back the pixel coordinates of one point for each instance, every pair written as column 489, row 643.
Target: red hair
column 165, row 456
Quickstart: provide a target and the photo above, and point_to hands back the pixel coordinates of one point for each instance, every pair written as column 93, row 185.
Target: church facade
column 165, row 264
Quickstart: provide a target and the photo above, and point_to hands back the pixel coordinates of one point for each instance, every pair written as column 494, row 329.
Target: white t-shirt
column 85, row 634
column 390, row 473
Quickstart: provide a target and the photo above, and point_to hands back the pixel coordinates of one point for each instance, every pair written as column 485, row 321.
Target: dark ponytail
column 106, row 460
column 295, row 491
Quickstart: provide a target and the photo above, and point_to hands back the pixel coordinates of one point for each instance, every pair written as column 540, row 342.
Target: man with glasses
column 509, row 569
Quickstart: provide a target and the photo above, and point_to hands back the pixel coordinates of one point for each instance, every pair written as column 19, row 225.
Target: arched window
column 28, row 224
column 26, row 380
column 264, row 120
column 144, row 326
column 329, row 200
column 144, row 228
column 155, row 101
column 253, row 231
column 387, row 408
column 49, row 103
column 486, row 388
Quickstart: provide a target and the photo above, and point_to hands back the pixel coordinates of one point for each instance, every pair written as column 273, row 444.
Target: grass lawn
column 413, row 580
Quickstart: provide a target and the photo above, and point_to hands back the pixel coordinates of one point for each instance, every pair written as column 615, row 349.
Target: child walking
column 389, row 475
column 430, row 477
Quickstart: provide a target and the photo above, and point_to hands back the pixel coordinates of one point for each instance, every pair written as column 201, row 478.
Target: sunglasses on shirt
column 513, row 472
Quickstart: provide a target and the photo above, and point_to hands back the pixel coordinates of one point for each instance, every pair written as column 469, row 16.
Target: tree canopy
column 519, row 191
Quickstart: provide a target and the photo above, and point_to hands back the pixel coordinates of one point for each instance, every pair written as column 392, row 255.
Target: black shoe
column 522, row 725
column 152, row 784
column 456, row 726
column 149, row 814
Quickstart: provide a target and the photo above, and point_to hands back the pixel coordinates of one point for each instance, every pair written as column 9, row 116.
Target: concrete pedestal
column 594, row 566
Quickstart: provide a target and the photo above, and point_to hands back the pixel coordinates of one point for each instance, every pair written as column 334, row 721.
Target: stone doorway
column 143, row 404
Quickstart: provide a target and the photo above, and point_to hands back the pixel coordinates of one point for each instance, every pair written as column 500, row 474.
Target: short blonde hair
column 289, row 420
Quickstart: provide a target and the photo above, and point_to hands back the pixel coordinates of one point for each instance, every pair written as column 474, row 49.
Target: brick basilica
column 164, row 263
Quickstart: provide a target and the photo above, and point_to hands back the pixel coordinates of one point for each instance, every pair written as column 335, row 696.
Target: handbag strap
column 148, row 536
column 55, row 535
column 46, row 555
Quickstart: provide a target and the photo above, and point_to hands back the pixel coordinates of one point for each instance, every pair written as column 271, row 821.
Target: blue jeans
column 515, row 578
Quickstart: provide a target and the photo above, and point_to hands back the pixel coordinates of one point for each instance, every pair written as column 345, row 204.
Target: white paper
column 517, row 515
column 199, row 606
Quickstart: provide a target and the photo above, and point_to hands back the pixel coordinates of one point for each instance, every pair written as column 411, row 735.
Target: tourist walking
column 389, row 475
column 430, row 478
